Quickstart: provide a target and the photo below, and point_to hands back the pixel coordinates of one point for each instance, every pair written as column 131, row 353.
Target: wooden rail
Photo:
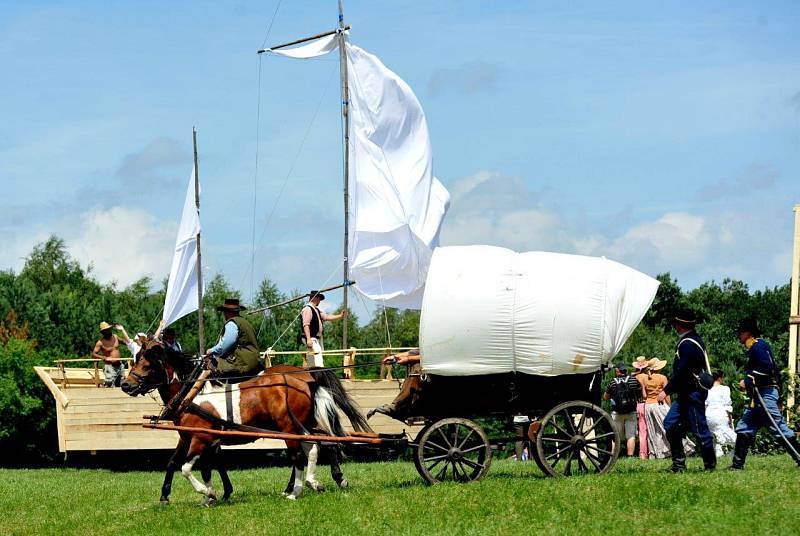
column 268, row 435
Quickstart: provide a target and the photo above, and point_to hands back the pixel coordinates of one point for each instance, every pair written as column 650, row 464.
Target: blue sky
column 665, row 137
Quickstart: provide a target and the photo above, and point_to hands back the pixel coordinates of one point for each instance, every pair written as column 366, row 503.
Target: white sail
column 181, row 296
column 396, row 204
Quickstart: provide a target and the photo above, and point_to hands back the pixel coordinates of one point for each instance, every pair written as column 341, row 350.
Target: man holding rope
column 311, row 328
column 762, row 382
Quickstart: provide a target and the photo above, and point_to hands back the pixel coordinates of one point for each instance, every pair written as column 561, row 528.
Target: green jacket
column 243, row 359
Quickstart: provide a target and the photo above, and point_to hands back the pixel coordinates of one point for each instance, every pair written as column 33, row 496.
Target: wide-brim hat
column 640, row 363
column 686, row 317
column 105, row 325
column 748, row 324
column 315, row 294
column 231, row 305
column 657, row 364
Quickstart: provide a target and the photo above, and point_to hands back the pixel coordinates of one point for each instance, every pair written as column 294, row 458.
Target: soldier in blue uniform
column 687, row 412
column 762, row 374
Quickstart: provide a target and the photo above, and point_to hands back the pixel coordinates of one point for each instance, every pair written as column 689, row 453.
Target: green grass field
column 638, row 497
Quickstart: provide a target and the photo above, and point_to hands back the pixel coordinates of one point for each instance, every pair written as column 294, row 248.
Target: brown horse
column 284, row 398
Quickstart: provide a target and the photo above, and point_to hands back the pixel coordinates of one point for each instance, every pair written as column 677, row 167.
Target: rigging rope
column 288, row 174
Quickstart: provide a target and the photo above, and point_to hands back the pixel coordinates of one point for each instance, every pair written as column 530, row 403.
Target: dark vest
column 243, row 359
column 315, row 326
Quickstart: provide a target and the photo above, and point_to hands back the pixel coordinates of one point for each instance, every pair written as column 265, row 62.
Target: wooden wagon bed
column 92, row 418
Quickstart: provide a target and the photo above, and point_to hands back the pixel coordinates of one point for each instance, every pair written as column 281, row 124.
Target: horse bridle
column 142, row 381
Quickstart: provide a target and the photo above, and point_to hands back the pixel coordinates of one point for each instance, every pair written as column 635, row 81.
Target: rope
column 271, row 22
column 301, row 311
column 288, row 176
column 255, row 175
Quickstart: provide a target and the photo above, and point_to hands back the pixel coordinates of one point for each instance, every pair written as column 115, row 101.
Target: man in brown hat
column 107, row 349
column 236, row 354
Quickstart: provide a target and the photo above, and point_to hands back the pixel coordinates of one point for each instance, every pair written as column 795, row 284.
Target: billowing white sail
column 396, row 204
column 181, row 296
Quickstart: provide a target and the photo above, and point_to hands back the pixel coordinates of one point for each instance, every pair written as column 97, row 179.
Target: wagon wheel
column 452, row 449
column 577, row 437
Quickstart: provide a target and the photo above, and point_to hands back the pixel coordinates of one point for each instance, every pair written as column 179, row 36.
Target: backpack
column 624, row 396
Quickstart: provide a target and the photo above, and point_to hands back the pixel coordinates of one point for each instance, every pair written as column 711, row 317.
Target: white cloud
column 123, row 244
column 703, row 241
column 676, row 238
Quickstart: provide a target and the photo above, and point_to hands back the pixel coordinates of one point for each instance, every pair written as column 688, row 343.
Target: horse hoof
column 164, row 502
column 316, row 486
column 343, row 483
column 291, row 497
column 226, row 497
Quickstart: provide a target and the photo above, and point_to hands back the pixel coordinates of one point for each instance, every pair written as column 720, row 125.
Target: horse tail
column 327, row 380
column 325, row 413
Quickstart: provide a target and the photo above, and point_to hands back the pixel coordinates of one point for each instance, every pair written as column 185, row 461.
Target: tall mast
column 346, row 171
column 200, row 328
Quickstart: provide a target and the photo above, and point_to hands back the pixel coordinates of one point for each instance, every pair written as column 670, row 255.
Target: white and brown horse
column 286, row 399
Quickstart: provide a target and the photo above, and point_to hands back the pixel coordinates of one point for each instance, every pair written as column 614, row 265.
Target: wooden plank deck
column 94, row 419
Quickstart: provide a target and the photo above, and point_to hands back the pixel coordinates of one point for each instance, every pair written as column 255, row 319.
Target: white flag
column 396, row 203
column 182, row 287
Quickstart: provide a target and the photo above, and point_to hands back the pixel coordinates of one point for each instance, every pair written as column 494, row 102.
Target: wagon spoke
column 594, row 439
column 581, row 463
column 592, row 459
column 583, row 418
column 430, row 444
column 432, row 458
column 464, row 442
column 570, row 421
column 558, row 453
column 559, row 429
column 441, row 474
column 551, row 439
column 595, row 425
column 474, row 465
column 598, row 449
column 447, row 442
column 434, row 464
column 476, row 447
column 568, row 468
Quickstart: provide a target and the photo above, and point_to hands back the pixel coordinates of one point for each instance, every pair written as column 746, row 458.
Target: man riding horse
column 235, row 357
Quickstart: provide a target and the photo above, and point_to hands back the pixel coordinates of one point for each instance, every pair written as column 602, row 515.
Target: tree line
column 51, row 309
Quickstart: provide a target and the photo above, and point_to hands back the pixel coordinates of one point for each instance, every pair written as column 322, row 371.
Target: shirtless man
column 107, row 349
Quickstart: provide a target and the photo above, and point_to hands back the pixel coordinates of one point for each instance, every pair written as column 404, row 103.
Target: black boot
column 675, row 439
column 709, row 457
column 743, row 442
column 796, row 446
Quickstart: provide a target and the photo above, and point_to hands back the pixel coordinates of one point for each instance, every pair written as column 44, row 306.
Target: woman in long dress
column 718, row 414
column 641, row 366
column 653, row 383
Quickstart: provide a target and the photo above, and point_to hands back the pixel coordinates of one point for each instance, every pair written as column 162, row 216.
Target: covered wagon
column 523, row 336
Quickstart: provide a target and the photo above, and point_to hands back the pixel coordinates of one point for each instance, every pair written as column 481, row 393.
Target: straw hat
column 657, row 364
column 640, row 363
column 104, row 326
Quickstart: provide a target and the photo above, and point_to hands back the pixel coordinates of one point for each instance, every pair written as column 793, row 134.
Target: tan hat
column 105, row 325
column 657, row 364
column 640, row 363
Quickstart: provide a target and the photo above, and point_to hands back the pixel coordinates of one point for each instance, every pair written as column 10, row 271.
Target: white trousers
column 314, row 355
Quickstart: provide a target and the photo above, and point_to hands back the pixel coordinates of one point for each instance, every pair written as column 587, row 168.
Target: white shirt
column 719, row 398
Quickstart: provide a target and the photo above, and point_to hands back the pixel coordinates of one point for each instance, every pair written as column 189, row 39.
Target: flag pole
column 200, row 327
column 346, row 118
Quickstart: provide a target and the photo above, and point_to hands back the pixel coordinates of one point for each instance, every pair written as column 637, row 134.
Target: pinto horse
column 283, row 398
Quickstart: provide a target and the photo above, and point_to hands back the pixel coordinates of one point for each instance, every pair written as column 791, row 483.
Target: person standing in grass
column 718, row 414
column 624, row 392
column 653, row 382
column 641, row 366
column 687, row 412
column 763, row 375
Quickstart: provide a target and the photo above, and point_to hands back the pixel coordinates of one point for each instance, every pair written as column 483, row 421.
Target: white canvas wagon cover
column 490, row 310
